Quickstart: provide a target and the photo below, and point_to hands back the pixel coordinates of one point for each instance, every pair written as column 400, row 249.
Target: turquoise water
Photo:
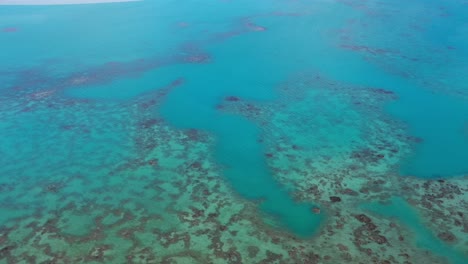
column 400, row 210
column 98, row 104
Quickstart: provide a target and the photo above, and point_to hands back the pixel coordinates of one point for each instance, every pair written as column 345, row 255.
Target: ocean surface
column 234, row 131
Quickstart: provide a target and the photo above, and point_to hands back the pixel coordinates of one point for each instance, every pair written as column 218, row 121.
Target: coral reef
column 112, row 181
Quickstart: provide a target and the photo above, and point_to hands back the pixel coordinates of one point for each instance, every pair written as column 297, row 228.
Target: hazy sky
column 58, row 2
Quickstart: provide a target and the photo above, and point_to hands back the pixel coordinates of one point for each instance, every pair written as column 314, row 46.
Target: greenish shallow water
column 82, row 86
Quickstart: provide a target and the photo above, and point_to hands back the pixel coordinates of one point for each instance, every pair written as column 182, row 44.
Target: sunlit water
column 195, row 131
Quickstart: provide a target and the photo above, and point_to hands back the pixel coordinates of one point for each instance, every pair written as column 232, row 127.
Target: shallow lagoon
column 234, row 132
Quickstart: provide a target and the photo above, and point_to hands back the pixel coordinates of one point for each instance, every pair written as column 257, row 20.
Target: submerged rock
column 363, row 218
column 379, row 239
column 447, row 236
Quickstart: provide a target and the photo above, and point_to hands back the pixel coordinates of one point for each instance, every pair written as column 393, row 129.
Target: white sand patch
column 59, row 2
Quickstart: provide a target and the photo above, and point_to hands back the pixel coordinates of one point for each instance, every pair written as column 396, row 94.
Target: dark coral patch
column 447, row 236
column 232, row 98
column 252, row 251
column 153, row 162
column 148, row 123
column 382, row 91
column 363, row 218
column 367, row 155
column 197, row 58
column 379, row 239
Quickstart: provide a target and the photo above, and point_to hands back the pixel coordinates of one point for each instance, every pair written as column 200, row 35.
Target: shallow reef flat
column 349, row 175
column 151, row 193
column 95, row 170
